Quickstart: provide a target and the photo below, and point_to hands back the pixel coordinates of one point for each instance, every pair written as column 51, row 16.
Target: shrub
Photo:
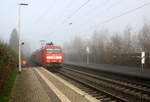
column 8, row 61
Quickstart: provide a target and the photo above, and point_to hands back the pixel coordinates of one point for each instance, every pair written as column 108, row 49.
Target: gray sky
column 47, row 19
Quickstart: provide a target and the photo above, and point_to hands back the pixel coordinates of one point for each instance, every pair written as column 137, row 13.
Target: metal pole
column 142, row 68
column 142, row 60
column 87, row 58
column 19, row 33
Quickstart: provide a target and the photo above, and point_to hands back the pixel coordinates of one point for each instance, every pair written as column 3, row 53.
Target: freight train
column 49, row 56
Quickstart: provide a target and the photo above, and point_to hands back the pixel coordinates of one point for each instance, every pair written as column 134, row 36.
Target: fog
column 61, row 20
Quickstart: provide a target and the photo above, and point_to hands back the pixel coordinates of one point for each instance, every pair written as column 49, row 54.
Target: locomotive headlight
column 49, row 57
column 58, row 57
column 53, row 57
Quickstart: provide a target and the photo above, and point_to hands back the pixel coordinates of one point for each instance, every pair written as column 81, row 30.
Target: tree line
column 111, row 48
column 9, row 56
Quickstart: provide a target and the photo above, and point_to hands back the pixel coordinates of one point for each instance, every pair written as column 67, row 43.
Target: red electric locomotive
column 50, row 56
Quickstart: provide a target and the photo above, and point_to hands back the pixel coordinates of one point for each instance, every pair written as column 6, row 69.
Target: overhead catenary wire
column 48, row 11
column 77, row 10
column 44, row 13
column 111, row 6
column 108, row 20
column 125, row 13
column 122, row 14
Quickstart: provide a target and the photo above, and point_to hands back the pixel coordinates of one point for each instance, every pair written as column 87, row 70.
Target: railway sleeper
column 107, row 99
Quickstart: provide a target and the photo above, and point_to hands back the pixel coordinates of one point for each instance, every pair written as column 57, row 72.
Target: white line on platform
column 77, row 90
column 60, row 95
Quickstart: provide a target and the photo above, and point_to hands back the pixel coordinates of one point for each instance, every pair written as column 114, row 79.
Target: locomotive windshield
column 53, row 50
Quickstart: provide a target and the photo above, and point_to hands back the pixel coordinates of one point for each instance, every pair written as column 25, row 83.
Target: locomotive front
column 53, row 56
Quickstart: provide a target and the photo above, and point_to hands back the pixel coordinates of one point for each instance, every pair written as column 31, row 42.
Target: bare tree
column 127, row 43
column 99, row 40
column 14, row 41
column 75, row 50
column 135, row 42
column 122, row 49
column 116, row 41
column 144, row 37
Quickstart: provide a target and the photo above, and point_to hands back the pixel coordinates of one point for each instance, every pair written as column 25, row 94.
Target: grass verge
column 6, row 91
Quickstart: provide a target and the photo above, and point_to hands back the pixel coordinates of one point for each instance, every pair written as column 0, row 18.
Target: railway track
column 106, row 89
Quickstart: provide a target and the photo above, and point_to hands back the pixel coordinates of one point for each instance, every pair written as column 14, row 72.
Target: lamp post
column 19, row 33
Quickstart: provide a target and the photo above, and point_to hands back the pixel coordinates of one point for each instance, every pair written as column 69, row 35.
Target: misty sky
column 47, row 19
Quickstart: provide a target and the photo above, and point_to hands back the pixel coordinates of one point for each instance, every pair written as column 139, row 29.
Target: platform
column 125, row 70
column 40, row 85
